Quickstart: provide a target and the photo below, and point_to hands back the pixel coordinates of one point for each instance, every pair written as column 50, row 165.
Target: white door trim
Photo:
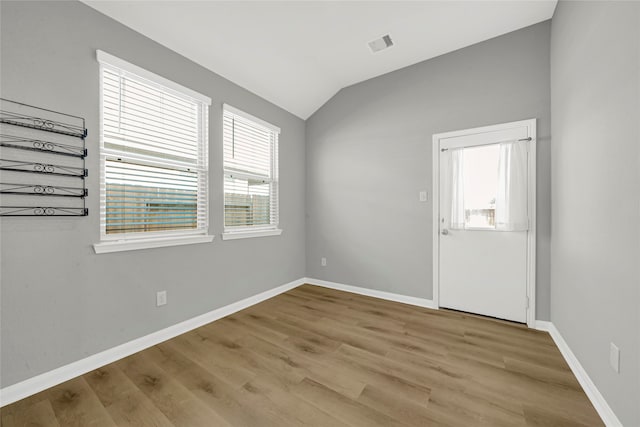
column 531, row 235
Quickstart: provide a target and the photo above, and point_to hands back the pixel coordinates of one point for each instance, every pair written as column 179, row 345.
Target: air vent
column 382, row 43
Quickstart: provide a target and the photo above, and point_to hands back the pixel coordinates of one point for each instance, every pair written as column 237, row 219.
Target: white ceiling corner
column 298, row 54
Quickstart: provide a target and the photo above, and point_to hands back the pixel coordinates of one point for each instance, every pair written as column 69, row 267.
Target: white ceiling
column 299, row 54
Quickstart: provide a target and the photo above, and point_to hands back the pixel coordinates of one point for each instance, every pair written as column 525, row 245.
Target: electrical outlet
column 614, row 357
column 424, row 196
column 161, row 298
column 323, row 261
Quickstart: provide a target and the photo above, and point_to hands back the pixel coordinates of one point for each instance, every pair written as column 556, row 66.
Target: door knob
column 445, row 232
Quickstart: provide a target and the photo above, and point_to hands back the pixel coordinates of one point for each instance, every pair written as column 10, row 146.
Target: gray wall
column 60, row 301
column 595, row 275
column 369, row 154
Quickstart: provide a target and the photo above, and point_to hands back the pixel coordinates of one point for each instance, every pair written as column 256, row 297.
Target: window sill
column 132, row 245
column 247, row 234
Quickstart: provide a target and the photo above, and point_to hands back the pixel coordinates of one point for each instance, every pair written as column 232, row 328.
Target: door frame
column 530, row 124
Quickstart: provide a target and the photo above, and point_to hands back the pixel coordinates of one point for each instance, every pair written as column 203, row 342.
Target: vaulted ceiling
column 299, row 54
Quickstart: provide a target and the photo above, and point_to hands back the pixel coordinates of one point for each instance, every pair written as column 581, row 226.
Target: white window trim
column 244, row 234
column 134, row 241
column 114, row 61
column 234, row 233
column 135, row 244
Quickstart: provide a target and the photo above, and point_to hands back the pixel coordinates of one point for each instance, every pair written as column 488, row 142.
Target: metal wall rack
column 42, row 162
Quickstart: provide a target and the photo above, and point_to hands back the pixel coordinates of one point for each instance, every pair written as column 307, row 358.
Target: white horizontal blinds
column 155, row 157
column 139, row 117
column 250, row 173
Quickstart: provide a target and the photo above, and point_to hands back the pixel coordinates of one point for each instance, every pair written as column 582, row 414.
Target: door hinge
column 527, row 302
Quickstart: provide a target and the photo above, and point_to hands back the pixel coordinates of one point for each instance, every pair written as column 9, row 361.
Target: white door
column 484, row 210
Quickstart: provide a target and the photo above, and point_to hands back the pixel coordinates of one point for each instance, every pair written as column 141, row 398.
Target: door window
column 480, row 174
column 487, row 186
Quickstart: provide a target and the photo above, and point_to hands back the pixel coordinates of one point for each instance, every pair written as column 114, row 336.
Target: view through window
column 481, row 185
column 250, row 172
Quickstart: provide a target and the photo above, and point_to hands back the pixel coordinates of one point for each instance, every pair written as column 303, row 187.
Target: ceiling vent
column 382, row 43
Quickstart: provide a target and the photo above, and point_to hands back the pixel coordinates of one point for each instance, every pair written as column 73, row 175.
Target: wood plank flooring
column 320, row 357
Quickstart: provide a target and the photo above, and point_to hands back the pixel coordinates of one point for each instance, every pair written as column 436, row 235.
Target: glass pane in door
column 480, row 171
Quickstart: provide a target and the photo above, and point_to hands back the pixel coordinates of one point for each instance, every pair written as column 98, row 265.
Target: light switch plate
column 424, row 196
column 614, row 357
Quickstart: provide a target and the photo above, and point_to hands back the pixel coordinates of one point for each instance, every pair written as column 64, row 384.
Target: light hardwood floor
column 315, row 356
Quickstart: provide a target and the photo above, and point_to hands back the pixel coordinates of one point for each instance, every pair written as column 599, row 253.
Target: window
column 480, row 173
column 250, row 175
column 489, row 186
column 154, row 137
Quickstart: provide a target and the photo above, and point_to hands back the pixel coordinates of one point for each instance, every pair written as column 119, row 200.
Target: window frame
column 242, row 232
column 142, row 240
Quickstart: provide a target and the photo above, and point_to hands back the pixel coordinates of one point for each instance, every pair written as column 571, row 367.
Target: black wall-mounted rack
column 29, row 144
column 45, row 168
column 43, row 190
column 32, row 139
column 42, row 211
column 41, row 123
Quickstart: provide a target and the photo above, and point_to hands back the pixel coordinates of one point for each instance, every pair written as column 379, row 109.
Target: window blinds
column 155, row 157
column 250, row 172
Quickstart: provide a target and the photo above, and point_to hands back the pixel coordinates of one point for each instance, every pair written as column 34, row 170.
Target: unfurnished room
column 319, row 213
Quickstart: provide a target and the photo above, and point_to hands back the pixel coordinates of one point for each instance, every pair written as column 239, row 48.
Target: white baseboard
column 543, row 325
column 420, row 302
column 597, row 400
column 59, row 375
